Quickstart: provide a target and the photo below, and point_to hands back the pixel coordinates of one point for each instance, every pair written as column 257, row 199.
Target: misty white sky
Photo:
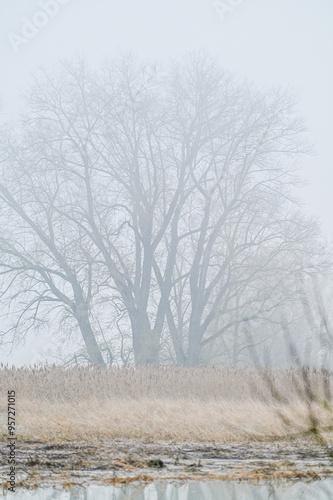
column 284, row 42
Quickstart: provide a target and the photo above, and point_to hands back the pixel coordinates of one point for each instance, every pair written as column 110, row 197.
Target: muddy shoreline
column 126, row 461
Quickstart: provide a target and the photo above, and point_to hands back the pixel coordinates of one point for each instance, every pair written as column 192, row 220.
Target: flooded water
column 213, row 490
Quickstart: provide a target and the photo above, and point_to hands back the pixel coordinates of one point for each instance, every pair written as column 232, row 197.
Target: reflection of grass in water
column 206, row 404
column 255, row 479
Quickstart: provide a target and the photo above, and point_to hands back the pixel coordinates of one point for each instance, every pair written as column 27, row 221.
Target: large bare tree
column 168, row 190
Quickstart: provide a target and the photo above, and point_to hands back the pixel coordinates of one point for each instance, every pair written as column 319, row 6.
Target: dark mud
column 125, row 461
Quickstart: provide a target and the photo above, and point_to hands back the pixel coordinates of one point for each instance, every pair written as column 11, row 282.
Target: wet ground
column 122, row 461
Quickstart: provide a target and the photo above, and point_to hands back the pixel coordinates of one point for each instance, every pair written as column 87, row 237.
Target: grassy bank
column 208, row 404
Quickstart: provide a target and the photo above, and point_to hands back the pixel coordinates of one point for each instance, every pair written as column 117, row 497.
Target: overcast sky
column 273, row 42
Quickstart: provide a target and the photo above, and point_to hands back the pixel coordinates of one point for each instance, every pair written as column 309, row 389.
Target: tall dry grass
column 204, row 404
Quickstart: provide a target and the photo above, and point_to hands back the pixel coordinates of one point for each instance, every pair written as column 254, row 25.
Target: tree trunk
column 194, row 351
column 176, row 340
column 194, row 337
column 146, row 342
column 94, row 352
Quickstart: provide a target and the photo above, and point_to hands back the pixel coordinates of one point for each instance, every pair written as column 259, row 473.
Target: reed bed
column 202, row 404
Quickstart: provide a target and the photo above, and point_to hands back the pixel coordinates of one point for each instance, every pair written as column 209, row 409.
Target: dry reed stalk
column 204, row 404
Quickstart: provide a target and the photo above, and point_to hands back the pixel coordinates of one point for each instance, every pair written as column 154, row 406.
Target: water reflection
column 214, row 490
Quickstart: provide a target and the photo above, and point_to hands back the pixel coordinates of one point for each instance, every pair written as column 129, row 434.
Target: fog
column 281, row 44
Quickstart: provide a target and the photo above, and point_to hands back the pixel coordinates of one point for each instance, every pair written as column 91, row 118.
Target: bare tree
column 168, row 191
column 241, row 239
column 46, row 263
